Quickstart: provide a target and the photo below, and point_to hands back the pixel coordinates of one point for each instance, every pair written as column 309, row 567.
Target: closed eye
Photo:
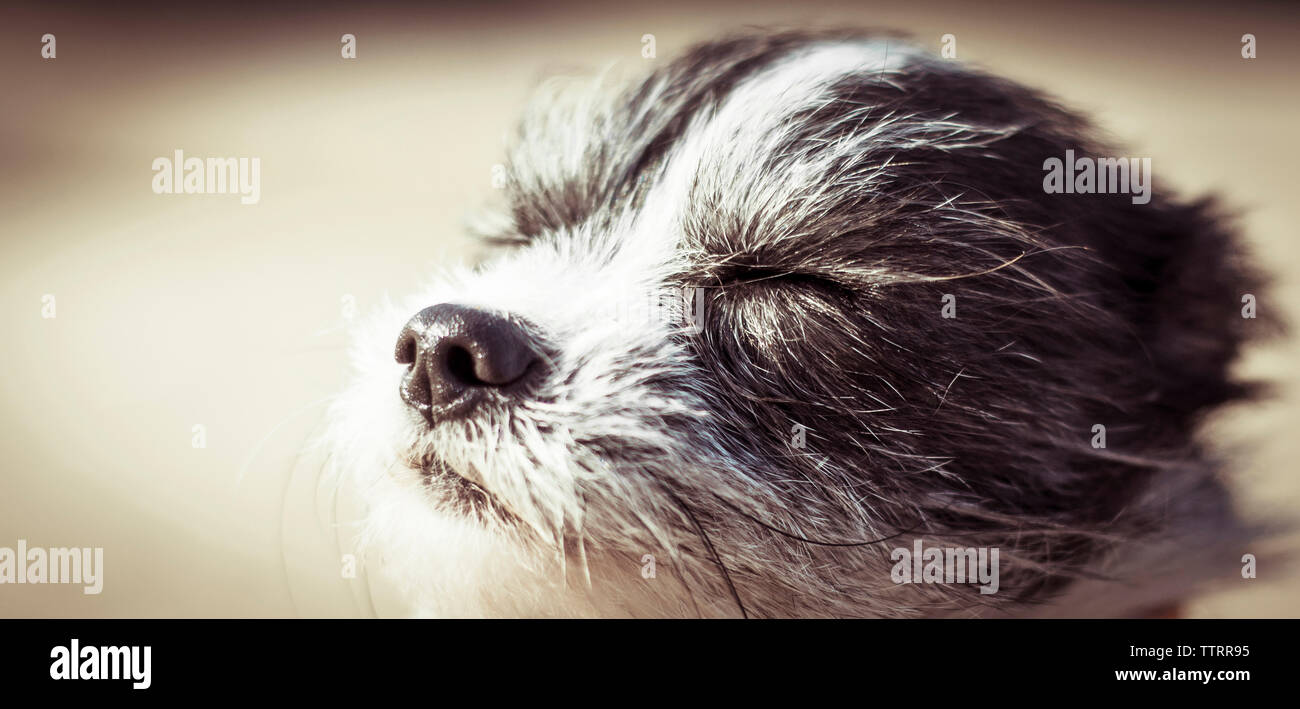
column 504, row 240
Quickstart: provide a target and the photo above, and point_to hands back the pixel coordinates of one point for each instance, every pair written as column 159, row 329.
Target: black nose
column 457, row 354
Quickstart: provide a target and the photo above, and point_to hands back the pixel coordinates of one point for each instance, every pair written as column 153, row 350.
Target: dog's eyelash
column 775, row 276
column 504, row 240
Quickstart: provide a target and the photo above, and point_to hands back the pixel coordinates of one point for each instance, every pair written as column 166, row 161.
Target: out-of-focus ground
column 176, row 311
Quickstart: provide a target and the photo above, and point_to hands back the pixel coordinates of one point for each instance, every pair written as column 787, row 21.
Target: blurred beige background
column 183, row 310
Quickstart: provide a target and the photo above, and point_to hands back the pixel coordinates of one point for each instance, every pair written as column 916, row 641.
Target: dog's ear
column 1175, row 273
column 1199, row 297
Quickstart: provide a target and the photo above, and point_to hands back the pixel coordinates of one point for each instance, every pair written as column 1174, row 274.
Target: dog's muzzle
column 456, row 356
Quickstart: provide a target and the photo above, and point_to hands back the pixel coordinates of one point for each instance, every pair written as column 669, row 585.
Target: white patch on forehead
column 749, row 125
column 566, row 284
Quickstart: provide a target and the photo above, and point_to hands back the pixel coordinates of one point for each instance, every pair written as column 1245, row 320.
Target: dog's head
column 789, row 303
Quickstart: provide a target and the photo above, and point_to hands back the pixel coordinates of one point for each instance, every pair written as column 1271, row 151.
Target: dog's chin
column 453, row 548
column 458, row 492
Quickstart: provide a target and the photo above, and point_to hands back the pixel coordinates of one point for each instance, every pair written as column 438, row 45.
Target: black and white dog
column 886, row 334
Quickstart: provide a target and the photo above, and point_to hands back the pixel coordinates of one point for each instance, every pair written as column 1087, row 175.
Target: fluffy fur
column 826, row 191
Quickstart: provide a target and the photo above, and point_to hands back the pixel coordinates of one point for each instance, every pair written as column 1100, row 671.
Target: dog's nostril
column 406, row 346
column 460, row 364
column 455, row 352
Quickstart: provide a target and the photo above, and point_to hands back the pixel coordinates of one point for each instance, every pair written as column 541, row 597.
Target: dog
column 873, row 329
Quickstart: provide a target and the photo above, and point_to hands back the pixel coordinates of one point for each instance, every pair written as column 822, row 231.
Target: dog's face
column 788, row 304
